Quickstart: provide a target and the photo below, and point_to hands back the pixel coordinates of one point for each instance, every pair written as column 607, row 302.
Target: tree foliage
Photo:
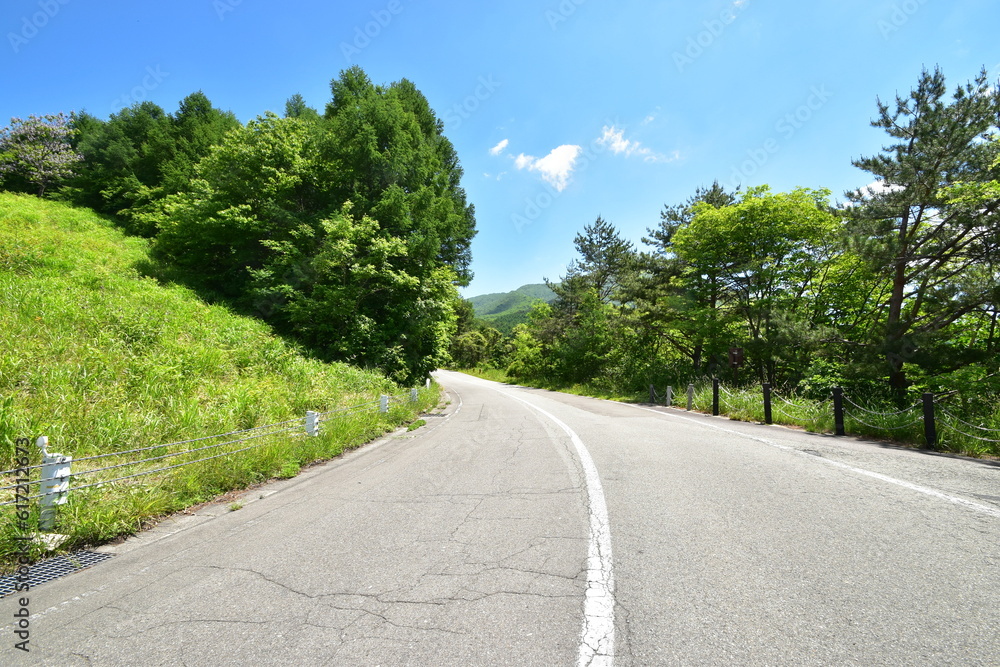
column 250, row 196
column 142, row 154
column 938, row 249
column 604, row 258
column 384, row 150
column 349, row 231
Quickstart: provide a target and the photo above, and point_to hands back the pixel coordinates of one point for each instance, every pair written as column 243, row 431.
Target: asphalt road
column 526, row 527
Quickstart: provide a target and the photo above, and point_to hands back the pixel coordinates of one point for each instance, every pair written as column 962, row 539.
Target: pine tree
column 934, row 251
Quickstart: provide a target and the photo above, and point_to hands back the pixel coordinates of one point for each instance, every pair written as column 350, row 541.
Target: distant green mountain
column 505, row 310
column 495, row 304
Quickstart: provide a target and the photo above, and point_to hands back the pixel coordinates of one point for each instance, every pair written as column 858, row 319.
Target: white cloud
column 499, row 148
column 614, row 139
column 878, row 187
column 556, row 167
column 874, row 189
column 523, row 161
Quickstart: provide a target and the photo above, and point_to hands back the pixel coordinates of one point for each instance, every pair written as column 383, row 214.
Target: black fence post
column 767, row 403
column 652, row 394
column 930, row 429
column 715, row 396
column 838, row 411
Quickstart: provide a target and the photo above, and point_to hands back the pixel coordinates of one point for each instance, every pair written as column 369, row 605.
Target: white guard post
column 312, row 423
column 55, row 483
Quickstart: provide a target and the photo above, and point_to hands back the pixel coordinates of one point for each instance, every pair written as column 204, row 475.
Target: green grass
column 102, row 359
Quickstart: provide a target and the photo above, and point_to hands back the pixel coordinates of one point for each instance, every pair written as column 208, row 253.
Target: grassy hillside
column 101, row 359
column 505, row 310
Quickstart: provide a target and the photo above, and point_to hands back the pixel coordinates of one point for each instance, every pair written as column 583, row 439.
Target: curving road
column 525, row 527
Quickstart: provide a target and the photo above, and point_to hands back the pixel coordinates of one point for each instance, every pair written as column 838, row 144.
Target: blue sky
column 560, row 110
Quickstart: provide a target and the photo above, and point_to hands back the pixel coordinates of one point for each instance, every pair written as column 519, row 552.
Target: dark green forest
column 347, row 229
column 891, row 293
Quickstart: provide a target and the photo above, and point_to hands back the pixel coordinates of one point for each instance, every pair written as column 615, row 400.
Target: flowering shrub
column 38, row 150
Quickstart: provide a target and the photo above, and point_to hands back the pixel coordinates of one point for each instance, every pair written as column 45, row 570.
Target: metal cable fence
column 979, row 438
column 259, row 435
column 882, row 414
column 143, row 449
column 884, row 427
column 783, row 412
column 156, row 470
column 865, row 420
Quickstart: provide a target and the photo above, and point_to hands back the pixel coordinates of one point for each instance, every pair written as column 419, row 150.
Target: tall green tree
column 763, row 255
column 677, row 306
column 577, row 332
column 603, row 262
column 937, row 251
column 296, row 107
column 124, row 159
column 355, row 302
column 384, row 150
column 196, row 127
column 675, row 216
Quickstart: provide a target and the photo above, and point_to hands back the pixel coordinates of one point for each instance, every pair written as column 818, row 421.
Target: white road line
column 597, row 641
column 977, row 507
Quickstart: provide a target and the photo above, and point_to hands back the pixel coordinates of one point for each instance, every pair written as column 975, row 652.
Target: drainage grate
column 53, row 568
